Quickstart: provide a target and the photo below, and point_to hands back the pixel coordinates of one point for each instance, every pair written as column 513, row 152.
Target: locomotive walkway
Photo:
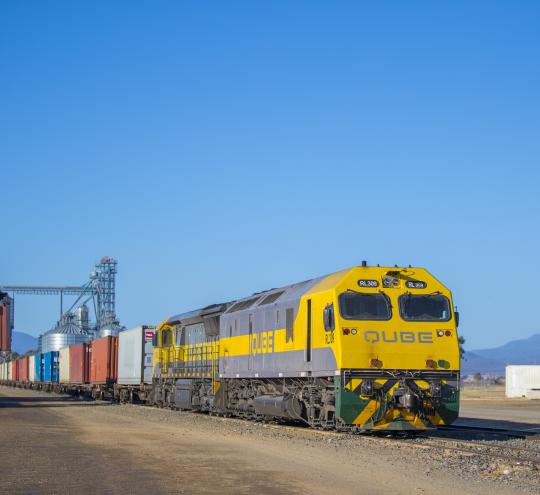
column 54, row 444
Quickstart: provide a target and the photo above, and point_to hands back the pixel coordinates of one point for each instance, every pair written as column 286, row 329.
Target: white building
column 523, row 381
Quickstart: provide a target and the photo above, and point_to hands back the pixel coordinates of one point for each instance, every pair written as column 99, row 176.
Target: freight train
column 366, row 348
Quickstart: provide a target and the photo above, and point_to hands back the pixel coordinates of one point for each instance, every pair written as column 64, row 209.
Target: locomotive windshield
column 363, row 306
column 424, row 307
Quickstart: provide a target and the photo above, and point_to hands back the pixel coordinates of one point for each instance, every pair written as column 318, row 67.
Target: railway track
column 472, row 447
column 489, row 431
column 465, row 447
column 499, row 451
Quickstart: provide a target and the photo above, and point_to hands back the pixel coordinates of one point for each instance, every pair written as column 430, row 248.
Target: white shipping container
column 2, row 371
column 520, row 380
column 135, row 351
column 63, row 364
column 32, row 368
column 8, row 366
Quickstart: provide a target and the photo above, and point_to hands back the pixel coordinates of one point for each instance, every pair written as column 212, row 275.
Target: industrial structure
column 6, row 322
column 74, row 324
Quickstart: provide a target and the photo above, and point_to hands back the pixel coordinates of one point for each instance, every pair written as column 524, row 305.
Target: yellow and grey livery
column 364, row 348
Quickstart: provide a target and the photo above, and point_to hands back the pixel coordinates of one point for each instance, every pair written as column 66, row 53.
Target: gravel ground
column 139, row 449
column 497, row 473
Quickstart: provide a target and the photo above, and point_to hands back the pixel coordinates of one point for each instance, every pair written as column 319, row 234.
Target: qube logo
column 374, row 336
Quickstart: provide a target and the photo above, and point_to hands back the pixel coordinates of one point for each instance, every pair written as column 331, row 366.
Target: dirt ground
column 53, row 444
column 490, row 405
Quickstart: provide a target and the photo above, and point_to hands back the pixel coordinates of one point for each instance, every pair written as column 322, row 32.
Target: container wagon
column 103, row 366
column 15, row 370
column 38, row 369
column 63, row 369
column 50, row 371
column 79, row 364
column 3, row 372
column 135, row 366
column 23, row 364
column 32, row 368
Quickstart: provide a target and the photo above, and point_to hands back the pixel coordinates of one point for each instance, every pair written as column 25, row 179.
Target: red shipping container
column 15, row 370
column 79, row 363
column 104, row 360
column 23, row 369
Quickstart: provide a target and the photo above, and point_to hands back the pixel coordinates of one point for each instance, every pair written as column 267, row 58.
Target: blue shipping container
column 38, row 368
column 50, row 366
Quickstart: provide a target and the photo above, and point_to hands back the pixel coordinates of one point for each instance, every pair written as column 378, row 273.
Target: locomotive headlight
column 366, row 388
column 436, row 388
column 440, row 333
column 353, row 331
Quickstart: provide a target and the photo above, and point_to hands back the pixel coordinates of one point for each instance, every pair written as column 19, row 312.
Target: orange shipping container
column 15, row 370
column 104, row 360
column 23, row 369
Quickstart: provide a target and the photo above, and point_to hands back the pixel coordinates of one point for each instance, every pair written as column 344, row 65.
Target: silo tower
column 104, row 281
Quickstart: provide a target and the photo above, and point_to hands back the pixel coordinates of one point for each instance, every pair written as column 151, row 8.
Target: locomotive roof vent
column 364, row 263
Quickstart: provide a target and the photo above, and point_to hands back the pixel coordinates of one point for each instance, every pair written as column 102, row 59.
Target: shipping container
column 8, row 369
column 522, row 380
column 23, row 369
column 50, row 366
column 38, row 367
column 15, row 370
column 79, row 363
column 31, row 368
column 135, row 355
column 103, row 360
column 63, row 365
column 3, row 374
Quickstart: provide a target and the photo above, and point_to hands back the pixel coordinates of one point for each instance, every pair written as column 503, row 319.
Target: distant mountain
column 525, row 351
column 22, row 342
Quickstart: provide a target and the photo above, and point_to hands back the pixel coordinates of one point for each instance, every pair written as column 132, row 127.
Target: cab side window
column 178, row 335
column 166, row 338
column 329, row 320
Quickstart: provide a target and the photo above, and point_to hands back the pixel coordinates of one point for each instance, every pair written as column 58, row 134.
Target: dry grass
column 493, row 392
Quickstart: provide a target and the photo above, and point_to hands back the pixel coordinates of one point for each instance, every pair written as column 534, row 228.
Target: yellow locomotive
column 365, row 348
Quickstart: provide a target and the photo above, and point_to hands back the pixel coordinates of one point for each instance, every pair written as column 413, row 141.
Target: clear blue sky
column 221, row 148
